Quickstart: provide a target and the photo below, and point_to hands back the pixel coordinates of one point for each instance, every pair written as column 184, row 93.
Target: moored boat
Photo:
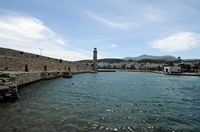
column 67, row 75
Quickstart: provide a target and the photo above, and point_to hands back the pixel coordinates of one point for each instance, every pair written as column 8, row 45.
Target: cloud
column 129, row 19
column 113, row 45
column 181, row 41
column 29, row 34
column 105, row 21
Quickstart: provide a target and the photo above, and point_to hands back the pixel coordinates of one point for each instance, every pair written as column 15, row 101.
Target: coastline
column 20, row 68
column 158, row 72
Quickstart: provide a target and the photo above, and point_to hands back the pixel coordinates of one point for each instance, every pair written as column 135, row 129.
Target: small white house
column 172, row 69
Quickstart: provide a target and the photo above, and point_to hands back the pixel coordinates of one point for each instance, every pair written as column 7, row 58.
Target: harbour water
column 118, row 101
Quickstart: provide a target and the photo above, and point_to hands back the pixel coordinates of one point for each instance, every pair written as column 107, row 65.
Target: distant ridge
column 109, row 60
column 143, row 59
column 151, row 57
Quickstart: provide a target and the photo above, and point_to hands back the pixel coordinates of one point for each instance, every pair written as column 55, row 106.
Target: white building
column 104, row 65
column 172, row 69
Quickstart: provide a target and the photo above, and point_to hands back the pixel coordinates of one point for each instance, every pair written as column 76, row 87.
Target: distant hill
column 142, row 59
column 109, row 60
column 151, row 57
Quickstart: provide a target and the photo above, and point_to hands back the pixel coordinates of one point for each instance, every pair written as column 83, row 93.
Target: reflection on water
column 106, row 102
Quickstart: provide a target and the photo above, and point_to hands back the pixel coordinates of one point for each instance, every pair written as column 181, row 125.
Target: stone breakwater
column 19, row 68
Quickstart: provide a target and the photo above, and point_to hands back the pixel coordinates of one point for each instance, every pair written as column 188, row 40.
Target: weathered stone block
column 4, row 87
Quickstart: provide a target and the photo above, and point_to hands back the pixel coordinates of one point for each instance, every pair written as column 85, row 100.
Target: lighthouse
column 95, row 60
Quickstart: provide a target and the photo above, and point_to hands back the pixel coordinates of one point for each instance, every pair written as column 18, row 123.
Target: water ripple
column 106, row 102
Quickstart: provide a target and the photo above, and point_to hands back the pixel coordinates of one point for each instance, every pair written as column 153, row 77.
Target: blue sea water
column 118, row 101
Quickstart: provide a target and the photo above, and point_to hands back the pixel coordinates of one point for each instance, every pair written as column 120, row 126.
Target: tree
column 185, row 67
column 196, row 66
column 171, row 64
column 179, row 59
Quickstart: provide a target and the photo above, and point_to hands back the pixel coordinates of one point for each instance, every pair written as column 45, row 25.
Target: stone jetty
column 18, row 68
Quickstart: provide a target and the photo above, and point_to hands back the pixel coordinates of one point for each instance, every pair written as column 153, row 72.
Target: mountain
column 109, row 60
column 151, row 57
column 142, row 59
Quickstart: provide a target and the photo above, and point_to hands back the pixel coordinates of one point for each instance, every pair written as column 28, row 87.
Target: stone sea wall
column 19, row 68
column 12, row 60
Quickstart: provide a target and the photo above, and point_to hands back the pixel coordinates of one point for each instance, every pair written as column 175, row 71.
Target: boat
column 67, row 75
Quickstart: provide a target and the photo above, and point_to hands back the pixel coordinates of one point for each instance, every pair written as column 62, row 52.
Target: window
column 45, row 68
column 26, row 68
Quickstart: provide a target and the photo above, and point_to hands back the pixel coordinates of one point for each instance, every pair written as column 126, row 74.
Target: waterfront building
column 172, row 69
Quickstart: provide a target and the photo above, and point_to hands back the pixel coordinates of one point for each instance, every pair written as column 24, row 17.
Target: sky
column 70, row 29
